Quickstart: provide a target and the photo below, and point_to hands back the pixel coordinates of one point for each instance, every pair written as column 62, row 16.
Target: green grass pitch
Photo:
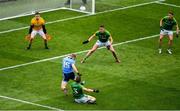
column 144, row 79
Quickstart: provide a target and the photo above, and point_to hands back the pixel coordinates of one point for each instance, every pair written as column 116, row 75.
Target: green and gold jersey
column 168, row 24
column 77, row 90
column 103, row 37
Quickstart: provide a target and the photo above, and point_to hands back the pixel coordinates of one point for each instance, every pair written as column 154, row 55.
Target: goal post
column 86, row 6
column 18, row 8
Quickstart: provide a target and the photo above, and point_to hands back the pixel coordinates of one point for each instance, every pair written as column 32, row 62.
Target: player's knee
column 93, row 100
column 170, row 39
column 160, row 39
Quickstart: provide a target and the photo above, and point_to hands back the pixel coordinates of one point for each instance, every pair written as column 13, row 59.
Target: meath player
column 37, row 27
column 166, row 25
column 69, row 70
column 78, row 94
column 104, row 39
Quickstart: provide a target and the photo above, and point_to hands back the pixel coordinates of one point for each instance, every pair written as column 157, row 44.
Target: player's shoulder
column 174, row 19
column 97, row 32
column 42, row 19
column 33, row 20
column 69, row 60
column 107, row 32
column 165, row 17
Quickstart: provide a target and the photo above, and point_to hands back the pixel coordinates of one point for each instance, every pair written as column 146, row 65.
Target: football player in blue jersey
column 69, row 69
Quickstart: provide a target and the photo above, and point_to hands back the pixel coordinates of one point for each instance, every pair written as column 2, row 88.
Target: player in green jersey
column 104, row 39
column 78, row 94
column 166, row 25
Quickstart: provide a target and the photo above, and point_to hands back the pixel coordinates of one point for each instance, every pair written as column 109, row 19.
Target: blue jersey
column 67, row 65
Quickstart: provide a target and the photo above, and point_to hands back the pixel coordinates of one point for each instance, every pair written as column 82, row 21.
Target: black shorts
column 68, row 76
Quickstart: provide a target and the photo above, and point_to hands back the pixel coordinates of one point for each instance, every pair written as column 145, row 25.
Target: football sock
column 45, row 44
column 114, row 54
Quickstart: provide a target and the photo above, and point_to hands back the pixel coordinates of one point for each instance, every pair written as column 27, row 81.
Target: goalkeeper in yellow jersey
column 37, row 27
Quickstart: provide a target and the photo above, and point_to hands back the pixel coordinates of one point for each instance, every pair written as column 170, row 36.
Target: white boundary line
column 168, row 4
column 30, row 103
column 82, row 16
column 80, row 52
column 23, row 15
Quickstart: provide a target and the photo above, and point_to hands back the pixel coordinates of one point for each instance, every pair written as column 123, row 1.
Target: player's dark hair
column 37, row 13
column 102, row 26
column 78, row 79
column 171, row 12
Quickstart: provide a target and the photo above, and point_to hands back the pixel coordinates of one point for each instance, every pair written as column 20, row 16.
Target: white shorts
column 40, row 32
column 100, row 44
column 166, row 32
column 84, row 99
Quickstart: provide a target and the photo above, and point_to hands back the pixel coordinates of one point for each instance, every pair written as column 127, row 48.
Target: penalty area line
column 80, row 52
column 30, row 103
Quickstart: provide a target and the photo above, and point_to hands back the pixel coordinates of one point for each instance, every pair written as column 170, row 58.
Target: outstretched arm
column 75, row 69
column 177, row 30
column 90, row 90
column 90, row 38
column 161, row 24
column 31, row 28
column 44, row 29
column 111, row 39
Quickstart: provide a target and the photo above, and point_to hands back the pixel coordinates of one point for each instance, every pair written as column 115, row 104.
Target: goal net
column 17, row 8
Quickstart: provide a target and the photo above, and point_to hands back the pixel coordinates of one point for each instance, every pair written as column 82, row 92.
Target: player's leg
column 64, row 83
column 84, row 1
column 43, row 35
column 86, row 99
column 63, row 87
column 111, row 48
column 33, row 34
column 91, row 99
column 90, row 52
column 162, row 33
column 170, row 42
column 67, row 2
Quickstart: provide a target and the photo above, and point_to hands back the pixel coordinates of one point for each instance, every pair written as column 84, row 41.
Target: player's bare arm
column 111, row 39
column 177, row 30
column 161, row 23
column 75, row 69
column 90, row 90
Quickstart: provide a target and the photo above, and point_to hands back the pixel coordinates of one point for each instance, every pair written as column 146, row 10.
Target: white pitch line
column 82, row 16
column 30, row 103
column 168, row 4
column 80, row 52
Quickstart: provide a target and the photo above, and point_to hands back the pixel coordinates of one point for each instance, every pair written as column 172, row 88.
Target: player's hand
column 96, row 90
column 79, row 74
column 85, row 42
column 177, row 35
column 161, row 28
column 28, row 37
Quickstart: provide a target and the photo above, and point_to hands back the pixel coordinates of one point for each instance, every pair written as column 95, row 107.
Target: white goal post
column 18, row 8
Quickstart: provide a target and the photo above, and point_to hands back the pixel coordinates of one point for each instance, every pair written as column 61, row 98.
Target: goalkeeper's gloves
column 161, row 28
column 79, row 74
column 96, row 90
column 85, row 42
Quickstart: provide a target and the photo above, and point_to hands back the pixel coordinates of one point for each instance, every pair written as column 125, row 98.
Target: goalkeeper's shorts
column 39, row 32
